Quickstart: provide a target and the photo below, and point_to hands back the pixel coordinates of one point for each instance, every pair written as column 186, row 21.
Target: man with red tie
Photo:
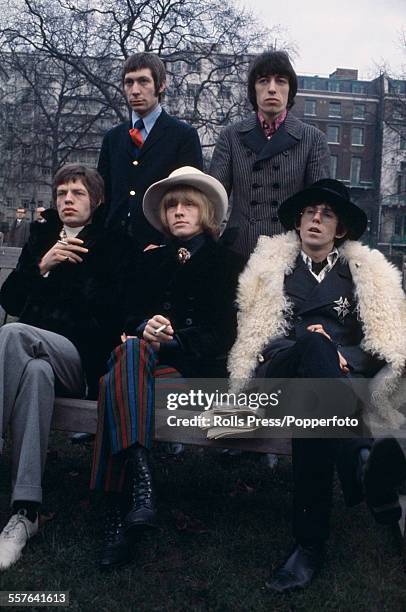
column 146, row 149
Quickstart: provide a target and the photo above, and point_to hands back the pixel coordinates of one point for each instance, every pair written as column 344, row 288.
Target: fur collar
column 264, row 308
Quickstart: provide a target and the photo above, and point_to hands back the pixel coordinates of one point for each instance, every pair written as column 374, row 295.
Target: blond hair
column 185, row 193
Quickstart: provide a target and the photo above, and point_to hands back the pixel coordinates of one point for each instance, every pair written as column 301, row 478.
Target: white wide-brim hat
column 192, row 177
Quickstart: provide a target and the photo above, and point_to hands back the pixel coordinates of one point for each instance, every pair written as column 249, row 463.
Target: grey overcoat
column 258, row 174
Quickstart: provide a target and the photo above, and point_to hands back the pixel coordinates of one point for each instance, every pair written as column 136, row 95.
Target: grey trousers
column 32, row 361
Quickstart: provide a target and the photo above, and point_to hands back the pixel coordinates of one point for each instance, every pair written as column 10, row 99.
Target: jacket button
column 189, row 321
column 256, row 185
column 253, row 221
column 276, row 185
column 132, row 192
column 274, row 203
column 260, row 358
column 299, row 319
column 257, row 168
column 135, row 162
column 254, row 203
column 166, row 305
column 274, row 219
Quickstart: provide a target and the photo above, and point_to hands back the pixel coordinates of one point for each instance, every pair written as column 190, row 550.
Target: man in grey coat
column 19, row 230
column 266, row 158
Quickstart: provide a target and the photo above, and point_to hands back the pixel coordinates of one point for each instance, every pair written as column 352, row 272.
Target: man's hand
column 343, row 363
column 155, row 333
column 319, row 329
column 64, row 250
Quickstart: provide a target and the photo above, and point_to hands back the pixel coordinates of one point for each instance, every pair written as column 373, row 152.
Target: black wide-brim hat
column 328, row 191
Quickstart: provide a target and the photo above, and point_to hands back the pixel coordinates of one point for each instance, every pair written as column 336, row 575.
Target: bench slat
column 81, row 415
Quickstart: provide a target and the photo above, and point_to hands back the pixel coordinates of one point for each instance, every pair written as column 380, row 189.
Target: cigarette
column 161, row 328
column 62, row 242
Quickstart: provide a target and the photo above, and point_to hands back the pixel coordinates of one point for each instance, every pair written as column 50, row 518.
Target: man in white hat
column 182, row 321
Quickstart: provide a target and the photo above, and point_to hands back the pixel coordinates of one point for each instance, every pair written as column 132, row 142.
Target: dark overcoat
column 198, row 297
column 332, row 304
column 259, row 174
column 18, row 234
column 83, row 302
column 128, row 173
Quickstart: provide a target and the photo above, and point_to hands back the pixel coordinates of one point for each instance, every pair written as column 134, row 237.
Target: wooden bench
column 81, row 415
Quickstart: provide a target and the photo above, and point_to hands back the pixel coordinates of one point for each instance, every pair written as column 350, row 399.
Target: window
column 192, row 90
column 9, row 202
column 334, row 109
column 402, row 143
column 334, row 85
column 333, row 166
column 333, row 134
column 310, row 107
column 357, row 136
column 401, row 184
column 397, row 113
column 309, row 84
column 359, row 111
column 225, row 92
column 358, row 88
column 355, row 176
column 400, row 225
column 177, row 67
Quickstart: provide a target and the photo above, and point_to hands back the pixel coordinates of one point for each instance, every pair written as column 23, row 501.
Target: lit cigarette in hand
column 161, row 328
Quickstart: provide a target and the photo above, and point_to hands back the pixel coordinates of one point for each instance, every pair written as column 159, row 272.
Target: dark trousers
column 314, row 459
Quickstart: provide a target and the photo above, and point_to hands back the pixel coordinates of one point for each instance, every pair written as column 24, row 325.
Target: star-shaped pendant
column 343, row 307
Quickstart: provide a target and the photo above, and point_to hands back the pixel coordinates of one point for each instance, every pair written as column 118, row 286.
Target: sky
column 362, row 34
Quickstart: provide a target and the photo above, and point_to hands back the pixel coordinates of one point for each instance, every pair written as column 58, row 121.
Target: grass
column 223, row 525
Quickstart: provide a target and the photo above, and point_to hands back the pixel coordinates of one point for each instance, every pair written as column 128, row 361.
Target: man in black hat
column 316, row 303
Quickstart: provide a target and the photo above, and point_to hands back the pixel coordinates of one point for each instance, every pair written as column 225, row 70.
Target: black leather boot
column 142, row 505
column 299, row 569
column 117, row 546
column 380, row 472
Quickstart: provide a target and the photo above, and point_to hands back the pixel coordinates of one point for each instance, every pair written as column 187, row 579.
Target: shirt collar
column 270, row 129
column 149, row 120
column 331, row 257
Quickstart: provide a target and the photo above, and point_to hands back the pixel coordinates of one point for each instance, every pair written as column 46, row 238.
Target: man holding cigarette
column 65, row 292
column 182, row 323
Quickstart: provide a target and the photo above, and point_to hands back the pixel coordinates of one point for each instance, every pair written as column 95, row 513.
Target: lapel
column 286, row 137
column 300, row 283
column 252, row 135
column 157, row 133
column 337, row 283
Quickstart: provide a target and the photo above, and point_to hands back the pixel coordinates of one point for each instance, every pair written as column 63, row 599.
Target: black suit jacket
column 332, row 304
column 171, row 144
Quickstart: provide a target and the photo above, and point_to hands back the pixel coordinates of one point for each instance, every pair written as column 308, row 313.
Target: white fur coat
column 264, row 310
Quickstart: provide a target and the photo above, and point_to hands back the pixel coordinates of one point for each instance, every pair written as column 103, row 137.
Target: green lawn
column 223, row 525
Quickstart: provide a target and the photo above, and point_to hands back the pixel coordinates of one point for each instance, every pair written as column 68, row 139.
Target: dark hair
column 138, row 61
column 266, row 64
column 89, row 177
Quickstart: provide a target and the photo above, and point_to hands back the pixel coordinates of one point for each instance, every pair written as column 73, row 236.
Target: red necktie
column 135, row 133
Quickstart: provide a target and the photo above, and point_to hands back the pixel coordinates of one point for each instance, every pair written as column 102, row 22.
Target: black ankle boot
column 142, row 505
column 117, row 546
column 381, row 472
column 299, row 569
